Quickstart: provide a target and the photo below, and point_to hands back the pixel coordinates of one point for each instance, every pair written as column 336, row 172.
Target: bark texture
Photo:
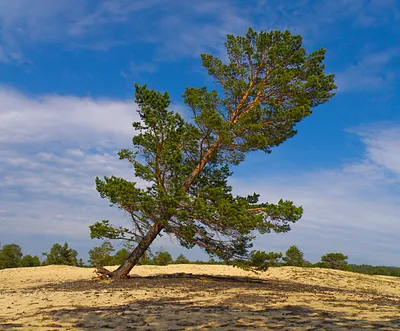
column 123, row 270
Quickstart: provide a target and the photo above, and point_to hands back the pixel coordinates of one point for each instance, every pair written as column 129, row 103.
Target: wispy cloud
column 353, row 209
column 383, row 146
column 178, row 28
column 109, row 12
column 42, row 20
column 369, row 73
column 25, row 22
column 315, row 19
column 3, row 56
column 199, row 28
column 134, row 70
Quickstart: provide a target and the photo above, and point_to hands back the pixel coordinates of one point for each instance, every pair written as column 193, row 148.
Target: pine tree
column 182, row 259
column 162, row 258
column 62, row 255
column 10, row 256
column 29, row 261
column 335, row 261
column 267, row 85
column 294, row 257
column 101, row 256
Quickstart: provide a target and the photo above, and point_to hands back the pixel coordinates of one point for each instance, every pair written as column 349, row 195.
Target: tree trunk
column 200, row 166
column 124, row 269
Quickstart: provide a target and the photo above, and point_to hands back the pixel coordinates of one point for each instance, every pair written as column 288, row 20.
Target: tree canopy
column 10, row 256
column 101, row 256
column 30, row 261
column 266, row 86
column 162, row 258
column 334, row 261
column 62, row 255
column 294, row 257
column 182, row 259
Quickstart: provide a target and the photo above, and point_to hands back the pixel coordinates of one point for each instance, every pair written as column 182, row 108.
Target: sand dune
column 212, row 298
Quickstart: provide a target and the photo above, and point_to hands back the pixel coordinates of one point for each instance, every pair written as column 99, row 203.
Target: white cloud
column 65, row 119
column 52, row 148
column 353, row 209
column 76, row 152
column 382, row 144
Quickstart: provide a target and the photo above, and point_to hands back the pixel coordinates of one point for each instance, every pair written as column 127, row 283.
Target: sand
column 212, row 297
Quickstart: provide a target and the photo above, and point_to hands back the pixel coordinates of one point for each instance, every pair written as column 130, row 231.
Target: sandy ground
column 212, row 297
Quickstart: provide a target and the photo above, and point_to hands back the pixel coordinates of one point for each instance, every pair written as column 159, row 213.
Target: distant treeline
column 375, row 270
column 11, row 256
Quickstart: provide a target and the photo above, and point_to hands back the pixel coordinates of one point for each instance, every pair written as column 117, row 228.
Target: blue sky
column 67, row 70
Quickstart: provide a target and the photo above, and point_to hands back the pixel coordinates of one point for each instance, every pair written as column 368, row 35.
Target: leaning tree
column 265, row 85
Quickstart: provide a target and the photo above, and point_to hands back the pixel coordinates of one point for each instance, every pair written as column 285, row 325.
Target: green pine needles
column 267, row 85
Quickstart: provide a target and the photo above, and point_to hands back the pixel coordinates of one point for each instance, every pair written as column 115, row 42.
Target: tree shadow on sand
column 191, row 281
column 195, row 310
column 167, row 314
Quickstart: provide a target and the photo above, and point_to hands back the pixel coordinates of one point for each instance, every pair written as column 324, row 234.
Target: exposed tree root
column 103, row 273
